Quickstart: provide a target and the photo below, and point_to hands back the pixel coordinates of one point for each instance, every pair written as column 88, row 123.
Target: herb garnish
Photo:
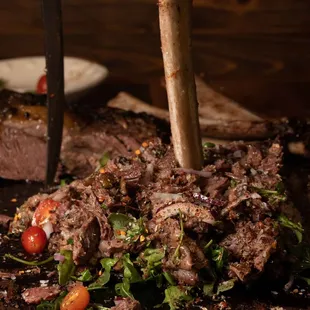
column 65, row 268
column 175, row 296
column 295, row 227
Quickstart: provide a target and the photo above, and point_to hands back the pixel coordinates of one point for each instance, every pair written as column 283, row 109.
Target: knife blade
column 52, row 18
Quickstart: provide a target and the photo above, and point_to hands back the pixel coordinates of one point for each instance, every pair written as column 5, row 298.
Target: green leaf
column 99, row 307
column 219, row 256
column 123, row 289
column 65, row 268
column 107, row 264
column 296, row 228
column 119, row 221
column 175, row 296
column 273, row 196
column 104, row 159
column 208, row 145
column 226, row 286
column 153, row 259
column 130, row 272
column 85, row 276
column 208, row 289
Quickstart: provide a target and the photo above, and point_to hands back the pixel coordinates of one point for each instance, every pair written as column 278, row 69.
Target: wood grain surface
column 255, row 51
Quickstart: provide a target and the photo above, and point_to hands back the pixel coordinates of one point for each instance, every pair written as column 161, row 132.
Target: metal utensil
column 52, row 17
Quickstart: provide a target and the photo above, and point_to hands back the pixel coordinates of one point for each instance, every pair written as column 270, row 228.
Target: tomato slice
column 34, row 240
column 42, row 85
column 77, row 299
column 43, row 211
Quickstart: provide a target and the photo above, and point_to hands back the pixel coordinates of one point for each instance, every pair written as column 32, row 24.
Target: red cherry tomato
column 43, row 211
column 77, row 299
column 34, row 240
column 42, row 85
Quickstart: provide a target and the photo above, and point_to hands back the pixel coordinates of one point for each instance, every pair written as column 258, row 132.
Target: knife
column 52, row 18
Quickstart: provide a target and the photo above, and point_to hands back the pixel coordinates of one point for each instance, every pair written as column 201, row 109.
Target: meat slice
column 252, row 243
column 5, row 220
column 35, row 295
column 126, row 304
column 86, row 137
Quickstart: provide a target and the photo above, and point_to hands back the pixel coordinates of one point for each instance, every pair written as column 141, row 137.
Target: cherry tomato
column 34, row 240
column 42, row 85
column 77, row 299
column 43, row 211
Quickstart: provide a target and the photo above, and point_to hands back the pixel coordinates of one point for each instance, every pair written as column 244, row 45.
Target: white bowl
column 22, row 74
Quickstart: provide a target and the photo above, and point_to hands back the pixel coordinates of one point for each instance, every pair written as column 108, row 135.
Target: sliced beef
column 5, row 220
column 126, row 304
column 85, row 137
column 35, row 295
column 252, row 243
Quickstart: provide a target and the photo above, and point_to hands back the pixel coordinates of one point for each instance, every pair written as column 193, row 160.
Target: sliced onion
column 48, row 228
column 205, row 174
column 58, row 257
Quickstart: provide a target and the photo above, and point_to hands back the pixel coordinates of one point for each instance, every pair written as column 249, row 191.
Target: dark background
column 255, row 51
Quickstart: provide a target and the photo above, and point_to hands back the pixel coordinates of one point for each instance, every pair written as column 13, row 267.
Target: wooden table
column 255, row 51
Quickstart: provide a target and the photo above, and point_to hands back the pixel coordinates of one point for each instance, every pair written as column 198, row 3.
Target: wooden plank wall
column 256, row 51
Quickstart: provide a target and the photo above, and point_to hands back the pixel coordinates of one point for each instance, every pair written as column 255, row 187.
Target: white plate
column 22, row 74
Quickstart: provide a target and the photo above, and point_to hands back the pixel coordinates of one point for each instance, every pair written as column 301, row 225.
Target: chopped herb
column 208, row 289
column 65, row 268
column 208, row 245
column 65, row 181
column 175, row 296
column 177, row 250
column 126, row 227
column 274, row 196
column 85, row 276
column 107, row 264
column 123, row 289
column 295, row 227
column 104, row 206
column 233, row 183
column 208, row 144
column 70, row 241
column 32, row 263
column 226, row 286
column 104, row 159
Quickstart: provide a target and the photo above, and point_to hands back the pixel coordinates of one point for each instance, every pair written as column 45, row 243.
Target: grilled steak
column 85, row 137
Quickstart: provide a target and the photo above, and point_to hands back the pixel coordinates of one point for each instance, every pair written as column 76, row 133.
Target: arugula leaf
column 104, row 159
column 295, row 227
column 85, row 276
column 219, row 256
column 52, row 305
column 107, row 264
column 65, row 268
column 119, row 220
column 123, row 289
column 175, row 296
column 153, row 259
column 70, row 241
column 98, row 307
column 226, row 286
column 208, row 289
column 130, row 272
